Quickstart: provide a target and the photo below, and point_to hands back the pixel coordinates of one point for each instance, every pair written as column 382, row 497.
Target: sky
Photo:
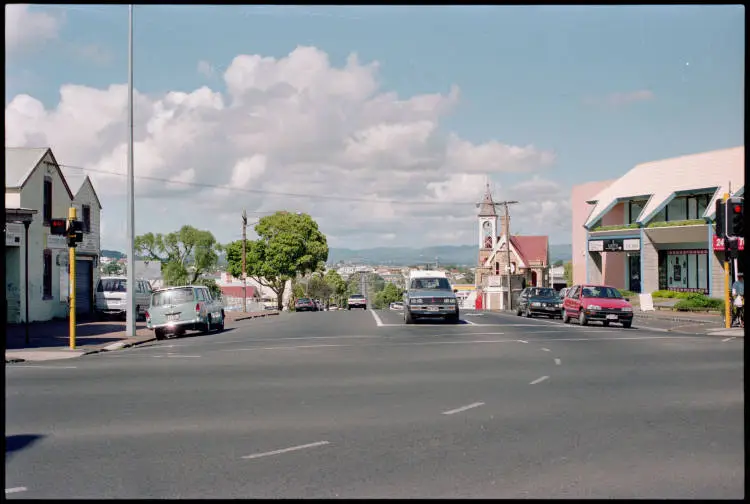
column 384, row 123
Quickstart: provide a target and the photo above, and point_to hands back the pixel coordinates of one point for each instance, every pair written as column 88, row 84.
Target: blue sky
column 527, row 75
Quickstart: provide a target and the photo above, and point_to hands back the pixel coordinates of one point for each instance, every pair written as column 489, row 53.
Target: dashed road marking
column 286, row 450
column 558, row 362
column 545, row 350
column 727, row 339
column 522, row 341
column 539, row 380
column 463, row 408
column 15, row 490
column 470, row 322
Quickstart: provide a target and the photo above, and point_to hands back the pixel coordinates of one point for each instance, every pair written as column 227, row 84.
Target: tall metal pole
column 130, row 319
column 72, row 281
column 507, row 246
column 244, row 271
column 727, row 282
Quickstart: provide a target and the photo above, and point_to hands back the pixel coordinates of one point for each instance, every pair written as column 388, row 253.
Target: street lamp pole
column 507, row 247
column 130, row 316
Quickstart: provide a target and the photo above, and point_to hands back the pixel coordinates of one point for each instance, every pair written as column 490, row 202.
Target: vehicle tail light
column 197, row 307
column 147, row 315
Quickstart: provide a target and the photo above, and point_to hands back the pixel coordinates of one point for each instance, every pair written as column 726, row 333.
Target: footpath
column 50, row 340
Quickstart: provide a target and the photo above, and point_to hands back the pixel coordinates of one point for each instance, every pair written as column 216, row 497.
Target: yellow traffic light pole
column 727, row 286
column 72, row 280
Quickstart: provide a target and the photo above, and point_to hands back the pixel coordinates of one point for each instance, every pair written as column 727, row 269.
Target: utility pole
column 130, row 315
column 727, row 283
column 244, row 271
column 72, row 282
column 507, row 246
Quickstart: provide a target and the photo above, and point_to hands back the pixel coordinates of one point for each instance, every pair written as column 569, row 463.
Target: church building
column 528, row 257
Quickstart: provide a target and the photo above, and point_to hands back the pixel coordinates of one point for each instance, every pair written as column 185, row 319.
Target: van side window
column 199, row 295
column 100, row 287
column 207, row 293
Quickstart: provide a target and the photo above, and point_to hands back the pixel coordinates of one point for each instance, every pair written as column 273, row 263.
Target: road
column 356, row 404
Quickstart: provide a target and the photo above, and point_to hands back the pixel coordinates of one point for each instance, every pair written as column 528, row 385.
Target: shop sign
column 686, row 289
column 687, row 251
column 719, row 244
column 613, row 245
column 596, row 246
column 632, row 244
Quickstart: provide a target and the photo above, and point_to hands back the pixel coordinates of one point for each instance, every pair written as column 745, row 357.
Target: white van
column 111, row 296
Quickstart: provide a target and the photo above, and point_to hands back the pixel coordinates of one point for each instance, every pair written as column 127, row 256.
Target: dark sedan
column 539, row 301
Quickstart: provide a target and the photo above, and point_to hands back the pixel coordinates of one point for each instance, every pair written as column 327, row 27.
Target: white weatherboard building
column 34, row 181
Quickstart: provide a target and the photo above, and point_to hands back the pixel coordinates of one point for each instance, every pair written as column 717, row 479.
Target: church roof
column 487, row 206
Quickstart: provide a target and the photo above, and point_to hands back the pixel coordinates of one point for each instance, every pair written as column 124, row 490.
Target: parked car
column 563, row 291
column 397, row 306
column 111, row 296
column 174, row 310
column 539, row 301
column 600, row 303
column 305, row 304
column 357, row 301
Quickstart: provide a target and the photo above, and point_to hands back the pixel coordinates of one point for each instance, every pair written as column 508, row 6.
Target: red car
column 600, row 303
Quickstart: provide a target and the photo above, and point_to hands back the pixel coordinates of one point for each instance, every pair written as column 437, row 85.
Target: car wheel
column 159, row 333
column 627, row 325
column 582, row 318
column 408, row 317
column 565, row 318
column 528, row 313
column 220, row 327
column 207, row 326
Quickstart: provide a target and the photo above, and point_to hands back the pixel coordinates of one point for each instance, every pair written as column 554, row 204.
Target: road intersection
column 357, row 404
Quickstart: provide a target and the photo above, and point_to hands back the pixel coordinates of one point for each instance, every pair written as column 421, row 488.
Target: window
column 86, row 211
column 692, row 209
column 47, row 277
column 684, row 270
column 636, row 207
column 47, row 201
column 677, row 210
column 703, row 200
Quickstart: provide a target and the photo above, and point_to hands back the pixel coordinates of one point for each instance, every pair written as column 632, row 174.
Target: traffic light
column 721, row 221
column 735, row 217
column 58, row 227
column 75, row 233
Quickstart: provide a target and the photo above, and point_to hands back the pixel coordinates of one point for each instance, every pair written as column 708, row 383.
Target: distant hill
column 113, row 254
column 446, row 254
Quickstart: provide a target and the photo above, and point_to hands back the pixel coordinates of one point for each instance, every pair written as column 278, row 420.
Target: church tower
column 487, row 226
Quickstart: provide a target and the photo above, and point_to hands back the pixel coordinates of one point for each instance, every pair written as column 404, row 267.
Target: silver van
column 111, row 296
column 174, row 310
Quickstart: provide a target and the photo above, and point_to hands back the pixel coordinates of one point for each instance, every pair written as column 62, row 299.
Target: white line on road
column 558, row 362
column 522, row 341
column 377, row 318
column 539, row 380
column 463, row 408
column 470, row 322
column 545, row 349
column 15, row 490
column 286, row 450
column 296, row 346
column 626, row 338
column 728, row 339
column 41, row 367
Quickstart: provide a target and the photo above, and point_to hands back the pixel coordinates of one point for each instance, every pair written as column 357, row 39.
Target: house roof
column 236, row 291
column 660, row 181
column 487, row 206
column 530, row 250
column 76, row 178
column 20, row 163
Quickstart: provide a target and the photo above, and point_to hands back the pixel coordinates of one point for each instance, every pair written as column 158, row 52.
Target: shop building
column 653, row 228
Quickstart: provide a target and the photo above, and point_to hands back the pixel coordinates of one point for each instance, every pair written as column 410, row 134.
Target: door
column 571, row 301
column 84, row 286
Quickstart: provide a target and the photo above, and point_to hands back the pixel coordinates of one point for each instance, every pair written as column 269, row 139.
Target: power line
column 270, row 193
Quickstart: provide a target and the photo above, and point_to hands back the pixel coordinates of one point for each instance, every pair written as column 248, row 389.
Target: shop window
column 692, row 208
column 636, row 207
column 702, row 200
column 47, row 276
column 661, row 216
column 683, row 270
column 703, row 272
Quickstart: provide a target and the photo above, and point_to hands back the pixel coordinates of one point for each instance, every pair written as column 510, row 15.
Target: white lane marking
column 378, row 321
column 728, row 339
column 545, row 349
column 558, row 362
column 168, row 356
column 40, row 366
column 463, row 408
column 298, row 338
column 626, row 338
column 381, row 345
column 286, row 450
column 539, row 380
column 470, row 322
column 15, row 490
column 522, row 341
column 297, row 346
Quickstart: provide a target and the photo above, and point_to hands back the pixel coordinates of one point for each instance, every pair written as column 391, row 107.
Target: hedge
column 700, row 303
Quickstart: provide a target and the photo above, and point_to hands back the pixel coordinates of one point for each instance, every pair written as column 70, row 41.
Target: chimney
column 505, row 225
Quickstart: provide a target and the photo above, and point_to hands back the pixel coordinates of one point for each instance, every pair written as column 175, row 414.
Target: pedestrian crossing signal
column 75, row 233
column 58, row 227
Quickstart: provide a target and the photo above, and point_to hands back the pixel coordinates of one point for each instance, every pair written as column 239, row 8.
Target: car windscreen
column 431, row 284
column 303, row 300
column 601, row 293
column 112, row 285
column 543, row 292
column 172, row 296
column 357, row 296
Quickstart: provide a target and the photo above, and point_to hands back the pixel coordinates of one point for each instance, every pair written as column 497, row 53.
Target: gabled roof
column 487, row 207
column 528, row 249
column 20, row 163
column 660, row 181
column 76, row 178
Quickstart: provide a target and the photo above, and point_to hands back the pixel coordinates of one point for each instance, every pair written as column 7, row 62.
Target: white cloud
column 206, row 69
column 25, row 28
column 289, row 125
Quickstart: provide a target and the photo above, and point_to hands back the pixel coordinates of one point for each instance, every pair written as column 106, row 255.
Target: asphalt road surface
column 356, row 404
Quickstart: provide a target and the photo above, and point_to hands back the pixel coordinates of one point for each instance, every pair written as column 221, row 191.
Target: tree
column 288, row 244
column 389, row 294
column 568, row 273
column 112, row 269
column 557, row 263
column 184, row 255
column 337, row 285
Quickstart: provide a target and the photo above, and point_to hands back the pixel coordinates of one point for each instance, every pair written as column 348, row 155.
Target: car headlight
column 559, row 305
column 417, row 301
column 536, row 304
column 593, row 307
column 627, row 309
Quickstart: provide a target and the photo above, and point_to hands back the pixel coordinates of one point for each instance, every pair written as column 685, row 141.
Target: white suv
column 111, row 296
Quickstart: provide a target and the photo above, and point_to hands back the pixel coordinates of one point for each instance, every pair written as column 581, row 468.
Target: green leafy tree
column 568, row 273
column 112, row 269
column 389, row 294
column 337, row 285
column 185, row 255
column 288, row 244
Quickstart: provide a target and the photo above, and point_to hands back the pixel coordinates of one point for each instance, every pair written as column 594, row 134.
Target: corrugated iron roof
column 20, row 163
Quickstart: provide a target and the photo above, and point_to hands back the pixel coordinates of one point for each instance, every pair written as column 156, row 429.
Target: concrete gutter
column 256, row 315
column 126, row 343
column 679, row 318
